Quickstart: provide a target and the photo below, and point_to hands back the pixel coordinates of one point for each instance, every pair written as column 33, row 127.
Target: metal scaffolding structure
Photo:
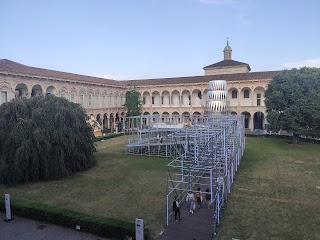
column 206, row 156
column 206, row 150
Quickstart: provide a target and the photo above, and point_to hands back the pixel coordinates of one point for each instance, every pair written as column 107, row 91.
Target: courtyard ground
column 275, row 194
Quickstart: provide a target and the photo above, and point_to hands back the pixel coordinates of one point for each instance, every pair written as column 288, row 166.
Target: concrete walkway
column 27, row 229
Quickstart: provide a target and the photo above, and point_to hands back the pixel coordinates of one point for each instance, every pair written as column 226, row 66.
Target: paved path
column 197, row 226
column 27, row 229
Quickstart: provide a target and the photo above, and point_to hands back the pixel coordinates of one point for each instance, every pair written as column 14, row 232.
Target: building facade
column 171, row 98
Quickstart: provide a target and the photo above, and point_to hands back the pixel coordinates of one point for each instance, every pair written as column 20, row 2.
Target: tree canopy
column 133, row 103
column 293, row 101
column 43, row 138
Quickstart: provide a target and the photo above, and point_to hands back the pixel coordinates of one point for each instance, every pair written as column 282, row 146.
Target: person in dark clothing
column 176, row 208
column 208, row 197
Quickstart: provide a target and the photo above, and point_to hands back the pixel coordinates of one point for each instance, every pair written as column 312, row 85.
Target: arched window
column 234, row 94
column 246, row 93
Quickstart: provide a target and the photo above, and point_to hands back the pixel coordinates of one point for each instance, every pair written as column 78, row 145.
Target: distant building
column 168, row 97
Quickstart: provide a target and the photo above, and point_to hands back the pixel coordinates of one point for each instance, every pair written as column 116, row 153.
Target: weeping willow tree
column 43, row 138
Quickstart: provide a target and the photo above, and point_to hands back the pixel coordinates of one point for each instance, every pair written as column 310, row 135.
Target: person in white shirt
column 190, row 201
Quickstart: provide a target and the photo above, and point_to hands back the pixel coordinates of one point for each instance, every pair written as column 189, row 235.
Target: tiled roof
column 9, row 66
column 17, row 68
column 227, row 63
column 204, row 79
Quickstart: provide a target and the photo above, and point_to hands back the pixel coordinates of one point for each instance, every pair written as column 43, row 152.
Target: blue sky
column 137, row 39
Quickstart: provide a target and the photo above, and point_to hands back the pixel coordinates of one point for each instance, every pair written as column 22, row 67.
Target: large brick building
column 168, row 97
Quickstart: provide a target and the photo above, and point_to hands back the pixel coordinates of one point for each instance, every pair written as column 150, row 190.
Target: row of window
column 4, row 98
column 246, row 94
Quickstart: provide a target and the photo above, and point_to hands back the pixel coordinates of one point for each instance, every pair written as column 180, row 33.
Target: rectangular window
column 144, row 100
column 72, row 97
column 258, row 102
column 4, row 97
column 258, row 99
column 81, row 99
column 161, row 100
column 152, row 100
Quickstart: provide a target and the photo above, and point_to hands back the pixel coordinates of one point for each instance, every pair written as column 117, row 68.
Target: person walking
column 208, row 197
column 199, row 197
column 176, row 208
column 190, row 201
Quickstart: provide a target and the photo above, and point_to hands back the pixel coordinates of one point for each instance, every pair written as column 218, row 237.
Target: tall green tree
column 43, row 138
column 293, row 101
column 133, row 103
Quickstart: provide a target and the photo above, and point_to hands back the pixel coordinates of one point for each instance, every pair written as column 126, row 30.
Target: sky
column 141, row 39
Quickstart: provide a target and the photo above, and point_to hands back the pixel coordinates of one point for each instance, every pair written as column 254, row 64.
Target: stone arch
column 36, row 90
column 186, row 118
column 155, row 99
column 175, row 117
column 21, row 90
column 165, row 117
column 247, row 117
column 258, row 95
column 111, row 122
column 165, row 98
column 258, row 120
column 5, row 92
column 51, row 90
column 105, row 121
column 245, row 97
column 146, row 99
column 186, row 98
column 196, row 97
column 63, row 92
column 99, row 119
column 175, row 95
column 234, row 113
column 245, row 90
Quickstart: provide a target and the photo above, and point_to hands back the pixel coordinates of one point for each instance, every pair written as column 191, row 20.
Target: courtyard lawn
column 120, row 186
column 275, row 194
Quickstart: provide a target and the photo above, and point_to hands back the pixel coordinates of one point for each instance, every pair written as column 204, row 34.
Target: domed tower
column 227, row 52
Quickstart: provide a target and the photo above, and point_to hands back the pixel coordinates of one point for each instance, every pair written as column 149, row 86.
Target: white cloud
column 305, row 63
column 113, row 76
column 218, row 2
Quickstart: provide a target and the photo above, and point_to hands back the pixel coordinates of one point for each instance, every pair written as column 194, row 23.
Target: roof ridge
column 55, row 70
column 12, row 66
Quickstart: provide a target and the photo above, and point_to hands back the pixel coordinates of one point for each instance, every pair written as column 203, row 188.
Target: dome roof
column 227, row 48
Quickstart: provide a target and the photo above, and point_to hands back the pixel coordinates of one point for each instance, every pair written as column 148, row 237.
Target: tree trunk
column 295, row 138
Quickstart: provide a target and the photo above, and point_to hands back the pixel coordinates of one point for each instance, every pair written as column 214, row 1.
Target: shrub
column 43, row 138
column 99, row 225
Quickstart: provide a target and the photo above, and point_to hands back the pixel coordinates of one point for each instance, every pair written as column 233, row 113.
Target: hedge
column 309, row 140
column 99, row 225
column 97, row 139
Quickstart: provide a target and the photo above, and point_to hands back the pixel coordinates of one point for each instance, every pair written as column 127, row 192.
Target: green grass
column 274, row 195
column 120, row 186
